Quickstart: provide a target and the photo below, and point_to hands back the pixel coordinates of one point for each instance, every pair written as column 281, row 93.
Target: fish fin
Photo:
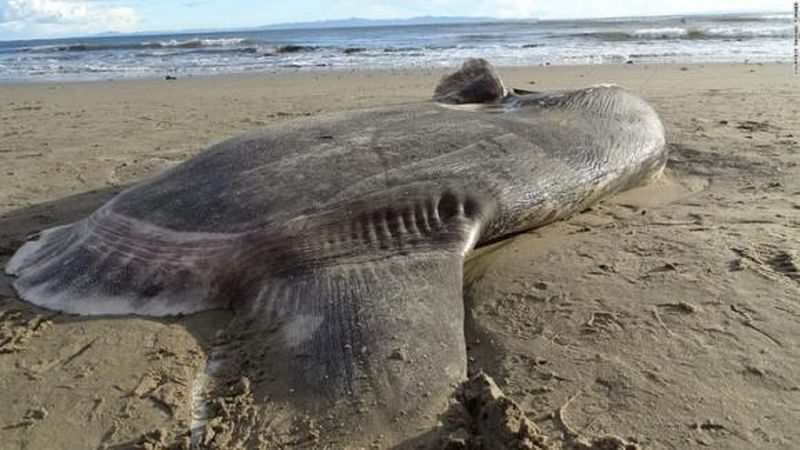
column 108, row 264
column 475, row 82
column 359, row 342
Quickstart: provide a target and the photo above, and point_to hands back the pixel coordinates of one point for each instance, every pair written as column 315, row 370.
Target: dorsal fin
column 475, row 82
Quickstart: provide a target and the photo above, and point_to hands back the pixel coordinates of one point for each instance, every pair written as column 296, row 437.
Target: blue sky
column 21, row 19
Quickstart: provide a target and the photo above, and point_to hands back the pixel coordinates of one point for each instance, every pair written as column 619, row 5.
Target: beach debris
column 754, row 126
column 681, row 307
column 708, row 425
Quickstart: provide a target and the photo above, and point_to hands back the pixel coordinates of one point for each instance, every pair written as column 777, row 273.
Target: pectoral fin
column 361, row 343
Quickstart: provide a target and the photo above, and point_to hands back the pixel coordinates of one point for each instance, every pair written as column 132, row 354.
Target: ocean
column 651, row 40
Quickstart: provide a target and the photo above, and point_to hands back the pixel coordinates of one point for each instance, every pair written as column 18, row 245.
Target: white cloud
column 59, row 17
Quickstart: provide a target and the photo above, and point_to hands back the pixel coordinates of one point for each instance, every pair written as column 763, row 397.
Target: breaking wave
column 677, row 33
column 173, row 43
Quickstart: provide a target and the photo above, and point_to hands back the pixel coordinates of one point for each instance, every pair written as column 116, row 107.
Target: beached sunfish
column 339, row 240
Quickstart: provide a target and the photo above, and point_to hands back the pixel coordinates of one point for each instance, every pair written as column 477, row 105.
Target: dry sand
column 668, row 316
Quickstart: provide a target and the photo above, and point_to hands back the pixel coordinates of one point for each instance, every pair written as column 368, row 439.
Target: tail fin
column 475, row 82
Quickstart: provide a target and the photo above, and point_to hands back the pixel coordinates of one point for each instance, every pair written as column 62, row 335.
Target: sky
column 23, row 19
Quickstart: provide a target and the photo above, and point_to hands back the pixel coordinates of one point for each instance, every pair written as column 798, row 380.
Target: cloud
column 59, row 17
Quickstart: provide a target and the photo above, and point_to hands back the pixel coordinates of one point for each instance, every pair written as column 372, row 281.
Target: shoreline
column 330, row 71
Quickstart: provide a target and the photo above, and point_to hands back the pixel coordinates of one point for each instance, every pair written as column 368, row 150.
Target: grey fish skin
column 339, row 240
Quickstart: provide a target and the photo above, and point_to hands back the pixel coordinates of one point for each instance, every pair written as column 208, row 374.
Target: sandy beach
column 667, row 316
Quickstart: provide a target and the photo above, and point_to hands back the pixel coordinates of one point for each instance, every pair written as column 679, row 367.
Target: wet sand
column 666, row 316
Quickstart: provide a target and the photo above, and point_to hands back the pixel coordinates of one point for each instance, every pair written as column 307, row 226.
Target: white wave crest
column 661, row 33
